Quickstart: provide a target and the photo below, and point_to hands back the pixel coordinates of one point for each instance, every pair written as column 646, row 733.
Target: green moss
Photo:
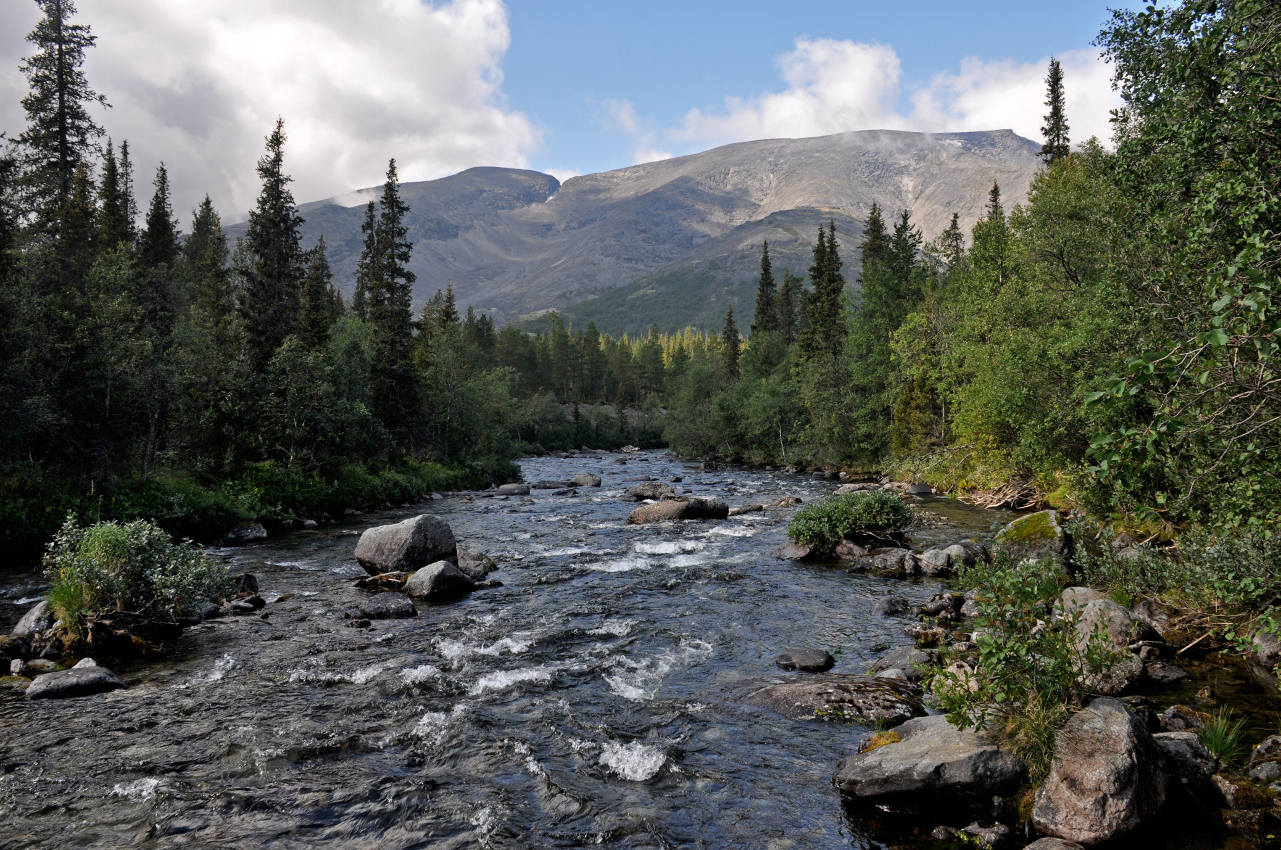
column 1040, row 527
column 880, row 739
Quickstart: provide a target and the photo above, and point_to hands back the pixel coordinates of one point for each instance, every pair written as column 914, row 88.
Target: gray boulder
column 1053, row 844
column 475, row 564
column 889, row 563
column 1073, row 599
column 76, row 682
column 585, row 480
column 892, row 606
column 793, row 552
column 932, row 761
column 1115, row 621
column 842, row 696
column 438, row 581
column 405, row 545
column 1122, row 677
column 243, row 534
column 858, row 487
column 1265, row 760
column 936, row 562
column 806, row 660
column 1107, row 777
column 1191, row 767
column 670, row 509
column 1036, row 535
column 37, row 620
column 550, row 485
column 909, row 662
column 650, row 490
column 387, row 606
column 513, row 489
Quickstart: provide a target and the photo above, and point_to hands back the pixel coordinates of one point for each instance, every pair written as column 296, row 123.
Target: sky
column 562, row 86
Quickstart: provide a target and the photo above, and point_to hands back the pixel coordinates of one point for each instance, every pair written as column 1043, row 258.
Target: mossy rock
column 1036, row 535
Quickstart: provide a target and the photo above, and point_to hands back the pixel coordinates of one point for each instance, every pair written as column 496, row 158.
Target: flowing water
column 588, row 701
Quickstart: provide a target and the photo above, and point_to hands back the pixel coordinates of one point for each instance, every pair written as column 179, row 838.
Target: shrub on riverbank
column 132, row 572
column 850, row 516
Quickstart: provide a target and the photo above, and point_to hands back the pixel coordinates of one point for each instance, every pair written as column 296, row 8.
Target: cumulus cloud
column 620, row 116
column 835, row 86
column 199, row 84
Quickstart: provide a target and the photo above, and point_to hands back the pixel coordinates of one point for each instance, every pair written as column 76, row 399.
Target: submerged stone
column 76, row 682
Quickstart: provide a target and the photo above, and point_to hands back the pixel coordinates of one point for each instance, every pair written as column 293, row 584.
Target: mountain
column 673, row 241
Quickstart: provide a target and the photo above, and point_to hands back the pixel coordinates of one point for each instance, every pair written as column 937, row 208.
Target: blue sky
column 564, row 86
column 569, row 56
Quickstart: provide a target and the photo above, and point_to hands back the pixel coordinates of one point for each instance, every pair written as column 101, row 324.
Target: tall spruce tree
column 790, row 298
column 824, row 310
column 951, row 244
column 393, row 393
column 61, row 133
column 730, row 345
column 1055, row 130
column 766, row 318
column 272, row 278
column 158, row 252
column 114, row 225
column 367, row 266
column 320, row 304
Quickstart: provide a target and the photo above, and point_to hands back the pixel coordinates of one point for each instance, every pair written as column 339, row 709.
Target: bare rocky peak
column 516, row 242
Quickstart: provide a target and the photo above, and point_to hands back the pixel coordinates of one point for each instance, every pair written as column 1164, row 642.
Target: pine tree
column 158, row 254
column 388, row 296
column 60, row 132
column 1055, row 130
column 730, row 345
column 319, row 299
column 766, row 318
column 273, row 278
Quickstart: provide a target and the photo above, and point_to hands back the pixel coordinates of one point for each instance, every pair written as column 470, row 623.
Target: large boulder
column 650, row 490
column 76, row 682
column 406, row 545
column 932, row 762
column 842, row 696
column 513, row 489
column 1073, row 599
column 1107, row 779
column 1114, row 621
column 1036, row 535
column 806, row 660
column 1190, row 767
column 793, row 551
column 439, row 581
column 670, row 509
column 242, row 534
column 37, row 620
column 889, row 562
column 585, row 480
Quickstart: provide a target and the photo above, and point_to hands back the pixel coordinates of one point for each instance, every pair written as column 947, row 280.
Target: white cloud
column 199, row 84
column 836, row 86
column 620, row 116
column 562, row 174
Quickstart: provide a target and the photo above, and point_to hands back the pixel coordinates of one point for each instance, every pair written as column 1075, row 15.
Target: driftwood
column 1020, row 495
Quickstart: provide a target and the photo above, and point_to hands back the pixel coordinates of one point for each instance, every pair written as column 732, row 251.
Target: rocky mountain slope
column 673, row 241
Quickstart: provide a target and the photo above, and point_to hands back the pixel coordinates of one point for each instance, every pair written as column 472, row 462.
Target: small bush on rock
column 824, row 524
column 132, row 572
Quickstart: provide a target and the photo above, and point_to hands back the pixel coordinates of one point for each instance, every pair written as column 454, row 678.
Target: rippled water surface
column 588, row 701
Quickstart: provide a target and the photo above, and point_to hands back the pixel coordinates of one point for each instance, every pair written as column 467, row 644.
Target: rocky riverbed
column 619, row 688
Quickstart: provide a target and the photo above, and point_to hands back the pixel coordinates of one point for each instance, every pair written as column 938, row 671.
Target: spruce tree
column 393, row 393
column 951, row 244
column 319, row 299
column 1055, row 130
column 158, row 253
column 367, row 271
column 789, row 300
column 60, row 132
column 114, row 225
column 766, row 318
column 272, row 280
column 730, row 345
column 204, row 262
column 823, row 308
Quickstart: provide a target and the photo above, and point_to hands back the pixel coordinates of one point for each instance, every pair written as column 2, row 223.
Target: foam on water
column 139, row 789
column 358, row 676
column 504, row 679
column 670, row 547
column 689, row 560
column 634, row 762
column 638, row 681
column 731, row 531
column 569, row 550
column 514, row 644
column 222, row 667
column 620, row 565
column 419, row 674
column 615, row 627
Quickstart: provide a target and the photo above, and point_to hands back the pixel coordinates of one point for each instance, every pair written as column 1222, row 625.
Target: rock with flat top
column 76, row 682
column 806, row 660
column 842, row 696
column 650, row 490
column 439, row 581
column 672, row 509
column 585, row 480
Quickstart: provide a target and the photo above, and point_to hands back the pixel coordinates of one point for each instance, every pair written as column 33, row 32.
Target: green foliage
column 850, row 516
column 132, row 570
column 1221, row 735
column 1029, row 671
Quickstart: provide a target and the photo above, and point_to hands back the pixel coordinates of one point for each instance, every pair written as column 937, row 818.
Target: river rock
column 848, row 550
column 842, row 696
column 438, row 581
column 1265, row 760
column 585, row 480
column 892, row 606
column 551, row 485
column 650, row 490
column 670, row 509
column 243, row 534
column 904, row 662
column 405, row 545
column 919, row 489
column 386, row 606
column 806, row 660
column 474, row 563
column 889, row 563
column 1190, row 767
column 933, row 761
column 1265, row 655
column 1123, row 676
column 1115, row 621
column 1107, row 777
column 1036, row 535
column 793, row 552
column 746, row 509
column 857, row 487
column 936, row 562
column 1151, row 612
column 76, row 682
column 1048, row 843
column 37, row 620
column 512, row 489
column 1073, row 599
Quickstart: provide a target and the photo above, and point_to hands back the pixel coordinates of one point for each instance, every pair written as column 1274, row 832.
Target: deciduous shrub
column 824, row 524
column 130, row 571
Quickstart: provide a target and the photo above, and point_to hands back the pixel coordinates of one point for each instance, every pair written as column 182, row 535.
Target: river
column 590, row 700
